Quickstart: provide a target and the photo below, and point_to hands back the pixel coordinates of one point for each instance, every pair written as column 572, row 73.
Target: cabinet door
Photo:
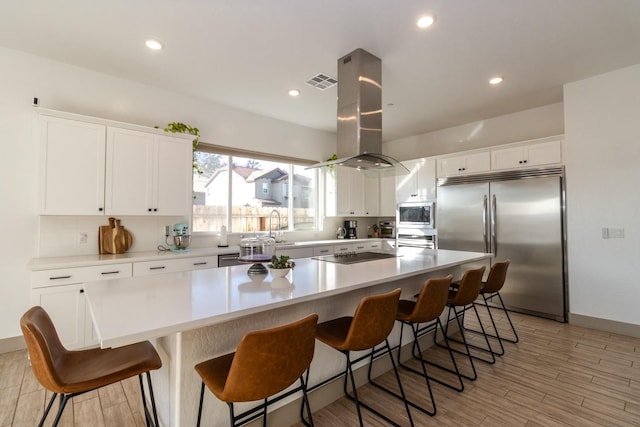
column 451, row 166
column 507, row 158
column 388, row 196
column 129, row 174
column 371, row 196
column 545, row 153
column 426, row 182
column 475, row 163
column 66, row 307
column 72, row 163
column 173, row 176
column 349, row 191
column 407, row 185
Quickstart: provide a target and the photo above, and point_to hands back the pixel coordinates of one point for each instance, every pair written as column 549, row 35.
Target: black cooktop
column 352, row 258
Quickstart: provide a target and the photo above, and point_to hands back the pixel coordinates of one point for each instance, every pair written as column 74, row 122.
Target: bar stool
column 367, row 328
column 70, row 373
column 491, row 289
column 423, row 316
column 462, row 295
column 264, row 364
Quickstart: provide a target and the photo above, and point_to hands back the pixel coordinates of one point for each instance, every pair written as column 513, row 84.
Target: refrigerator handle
column 484, row 224
column 494, row 240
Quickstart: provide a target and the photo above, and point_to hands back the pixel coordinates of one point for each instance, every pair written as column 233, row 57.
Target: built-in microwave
column 415, row 215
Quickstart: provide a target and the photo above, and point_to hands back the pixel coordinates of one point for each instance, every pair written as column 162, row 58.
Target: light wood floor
column 557, row 375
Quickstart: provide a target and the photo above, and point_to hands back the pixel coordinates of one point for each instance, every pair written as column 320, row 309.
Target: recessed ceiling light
column 496, row 80
column 426, row 21
column 294, row 92
column 153, row 44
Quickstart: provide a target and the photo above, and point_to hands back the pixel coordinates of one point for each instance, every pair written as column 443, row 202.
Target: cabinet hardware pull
column 82, row 291
column 359, row 247
column 100, row 209
column 155, row 210
column 110, row 272
column 149, row 209
column 59, row 277
column 200, row 263
column 324, row 251
column 156, row 268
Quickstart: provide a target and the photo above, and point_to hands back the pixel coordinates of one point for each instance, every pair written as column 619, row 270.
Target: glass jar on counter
column 257, row 250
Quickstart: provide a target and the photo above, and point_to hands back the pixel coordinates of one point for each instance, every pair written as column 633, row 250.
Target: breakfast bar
column 193, row 316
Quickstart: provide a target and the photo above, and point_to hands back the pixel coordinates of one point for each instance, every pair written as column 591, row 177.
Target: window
column 242, row 192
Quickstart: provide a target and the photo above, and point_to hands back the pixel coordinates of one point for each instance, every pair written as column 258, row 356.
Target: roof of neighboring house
column 274, row 174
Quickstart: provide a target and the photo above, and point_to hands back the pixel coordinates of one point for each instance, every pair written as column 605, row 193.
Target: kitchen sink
column 352, row 258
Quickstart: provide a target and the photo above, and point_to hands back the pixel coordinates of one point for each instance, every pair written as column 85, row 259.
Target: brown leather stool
column 265, row 363
column 491, row 289
column 70, row 373
column 368, row 327
column 423, row 316
column 462, row 295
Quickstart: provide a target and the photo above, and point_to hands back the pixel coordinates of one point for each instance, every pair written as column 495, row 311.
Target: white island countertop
column 130, row 310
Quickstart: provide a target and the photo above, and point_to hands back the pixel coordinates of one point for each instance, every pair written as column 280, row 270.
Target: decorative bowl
column 279, row 272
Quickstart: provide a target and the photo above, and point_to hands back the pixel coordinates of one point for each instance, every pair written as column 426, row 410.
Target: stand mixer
column 181, row 237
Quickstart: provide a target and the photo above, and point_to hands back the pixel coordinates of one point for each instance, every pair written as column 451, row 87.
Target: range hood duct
column 359, row 125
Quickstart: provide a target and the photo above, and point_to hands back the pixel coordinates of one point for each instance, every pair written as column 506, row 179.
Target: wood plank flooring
column 557, row 375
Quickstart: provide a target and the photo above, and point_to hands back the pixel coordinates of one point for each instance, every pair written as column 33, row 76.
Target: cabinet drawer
column 66, row 276
column 173, row 265
column 323, row 250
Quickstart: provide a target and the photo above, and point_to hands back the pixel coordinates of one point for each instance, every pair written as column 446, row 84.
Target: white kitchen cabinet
column 371, row 196
column 322, row 250
column 388, row 196
column 464, row 164
column 349, row 192
column 419, row 184
column 295, row 252
column 343, row 247
column 71, row 164
column 66, row 306
column 60, row 292
column 146, row 268
column 147, row 174
column 524, row 156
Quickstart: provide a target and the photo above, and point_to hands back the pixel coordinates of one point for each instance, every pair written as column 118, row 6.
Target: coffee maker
column 350, row 229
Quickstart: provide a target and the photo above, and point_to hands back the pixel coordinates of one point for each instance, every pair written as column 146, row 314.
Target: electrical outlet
column 83, row 237
column 616, row 233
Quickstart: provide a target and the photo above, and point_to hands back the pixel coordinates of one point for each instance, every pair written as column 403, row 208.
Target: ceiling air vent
column 322, row 81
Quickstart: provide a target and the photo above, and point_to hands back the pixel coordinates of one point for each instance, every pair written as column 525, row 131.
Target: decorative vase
column 279, row 272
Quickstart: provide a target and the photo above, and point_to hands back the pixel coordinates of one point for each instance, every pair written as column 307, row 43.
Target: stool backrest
column 268, row 361
column 469, row 288
column 372, row 321
column 44, row 346
column 497, row 276
column 431, row 300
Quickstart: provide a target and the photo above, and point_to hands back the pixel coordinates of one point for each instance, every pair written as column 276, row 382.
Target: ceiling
column 247, row 54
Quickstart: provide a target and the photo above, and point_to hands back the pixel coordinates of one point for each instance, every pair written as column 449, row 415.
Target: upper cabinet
column 145, row 174
column 464, row 164
column 72, row 162
column 89, row 168
column 354, row 193
column 419, row 184
column 527, row 156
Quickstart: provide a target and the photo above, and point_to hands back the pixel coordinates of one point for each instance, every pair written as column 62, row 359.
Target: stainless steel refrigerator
column 514, row 215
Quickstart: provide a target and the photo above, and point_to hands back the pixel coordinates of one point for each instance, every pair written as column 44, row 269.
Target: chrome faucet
column 271, row 216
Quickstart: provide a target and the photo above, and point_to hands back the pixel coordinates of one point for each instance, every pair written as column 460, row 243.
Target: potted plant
column 280, row 266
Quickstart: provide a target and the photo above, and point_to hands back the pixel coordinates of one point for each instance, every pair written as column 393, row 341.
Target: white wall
column 67, row 88
column 602, row 137
column 521, row 126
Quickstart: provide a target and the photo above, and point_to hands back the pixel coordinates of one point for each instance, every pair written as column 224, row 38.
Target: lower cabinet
column 67, row 308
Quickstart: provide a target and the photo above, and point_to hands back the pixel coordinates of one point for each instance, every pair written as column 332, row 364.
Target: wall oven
column 416, row 238
column 415, row 215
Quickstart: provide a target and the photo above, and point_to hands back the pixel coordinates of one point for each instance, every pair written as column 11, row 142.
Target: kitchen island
column 196, row 315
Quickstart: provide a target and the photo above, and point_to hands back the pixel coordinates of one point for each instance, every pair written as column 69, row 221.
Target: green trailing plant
column 283, row 261
column 331, row 167
column 179, row 127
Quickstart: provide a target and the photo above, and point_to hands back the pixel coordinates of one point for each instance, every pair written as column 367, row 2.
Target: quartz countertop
column 49, row 263
column 130, row 310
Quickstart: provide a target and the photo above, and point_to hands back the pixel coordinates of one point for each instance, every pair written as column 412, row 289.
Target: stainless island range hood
column 359, row 125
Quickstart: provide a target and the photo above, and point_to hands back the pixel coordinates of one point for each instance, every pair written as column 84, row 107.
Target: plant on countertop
column 179, row 127
column 283, row 261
